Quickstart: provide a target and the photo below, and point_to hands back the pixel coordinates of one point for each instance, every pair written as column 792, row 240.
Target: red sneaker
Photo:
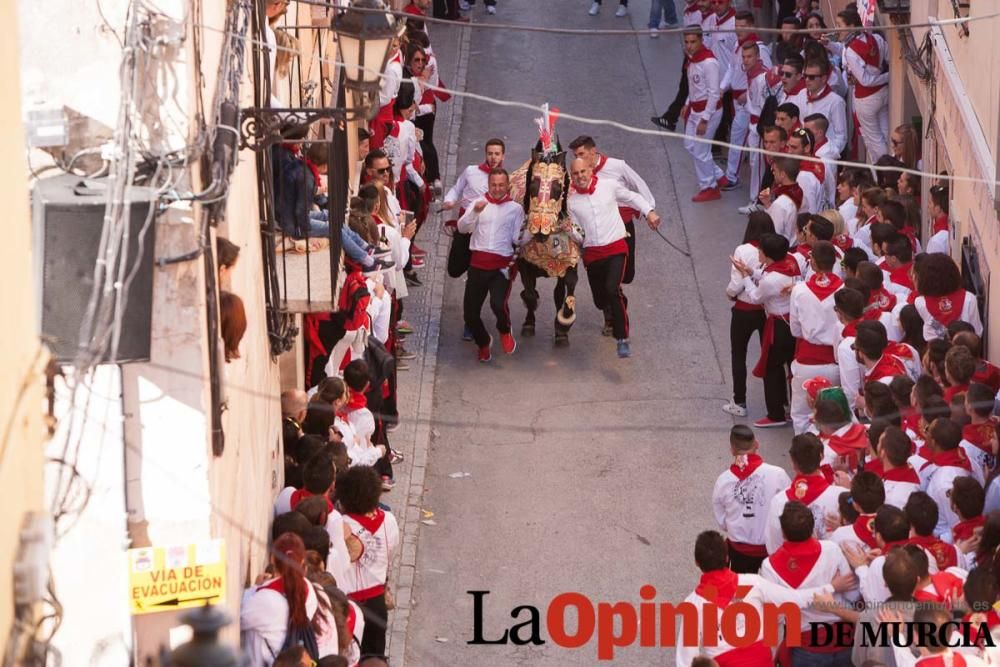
column 484, row 354
column 417, row 262
column 508, row 343
column 417, row 250
column 765, row 422
column 708, row 194
column 723, row 182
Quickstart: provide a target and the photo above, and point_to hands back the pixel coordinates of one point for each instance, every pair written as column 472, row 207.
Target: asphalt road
column 586, row 473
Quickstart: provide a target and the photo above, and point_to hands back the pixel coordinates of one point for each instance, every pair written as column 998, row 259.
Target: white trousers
column 800, row 400
column 873, row 117
column 756, row 162
column 353, row 342
column 704, row 166
column 737, row 137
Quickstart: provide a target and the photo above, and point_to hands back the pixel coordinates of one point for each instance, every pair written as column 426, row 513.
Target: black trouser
column 673, row 112
column 458, row 254
column 488, row 2
column 779, row 357
column 376, row 621
column 743, row 564
column 630, row 242
column 722, row 134
column 478, row 285
column 432, row 170
column 766, row 179
column 621, row 2
column 445, row 9
column 742, row 325
column 605, row 278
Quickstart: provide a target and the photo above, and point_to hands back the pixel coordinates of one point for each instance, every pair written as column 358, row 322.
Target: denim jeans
column 664, row 8
column 801, row 658
column 353, row 244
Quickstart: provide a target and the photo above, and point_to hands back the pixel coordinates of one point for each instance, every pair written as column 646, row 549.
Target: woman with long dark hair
column 284, row 609
column 943, row 298
column 746, row 317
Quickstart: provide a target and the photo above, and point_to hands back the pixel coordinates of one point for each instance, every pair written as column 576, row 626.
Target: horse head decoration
column 542, row 185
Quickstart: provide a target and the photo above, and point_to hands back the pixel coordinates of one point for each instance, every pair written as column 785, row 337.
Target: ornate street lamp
column 364, row 39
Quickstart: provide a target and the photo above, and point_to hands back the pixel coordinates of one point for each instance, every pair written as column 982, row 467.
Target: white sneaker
column 664, row 25
column 464, row 6
column 735, row 409
column 748, row 209
column 595, row 9
column 622, row 11
column 491, row 9
column 653, row 33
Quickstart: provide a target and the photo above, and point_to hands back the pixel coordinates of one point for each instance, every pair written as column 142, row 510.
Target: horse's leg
column 566, row 305
column 529, row 295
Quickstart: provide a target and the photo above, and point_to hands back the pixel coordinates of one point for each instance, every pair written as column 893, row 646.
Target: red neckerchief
column 886, row 366
column 786, row 266
column 864, row 527
column 589, row 190
column 945, row 555
column 803, row 249
column 796, row 89
column 875, row 466
column 314, row 169
column 824, row 285
column 301, row 494
column 851, row 445
column 754, row 461
column 869, row 220
column 904, row 473
column 981, row 434
column 356, row 400
column 910, row 233
column 909, row 419
column 751, row 38
column 817, row 169
column 901, row 276
column 850, row 329
column 485, row 168
column 719, row 20
column 843, row 241
column 705, row 13
column 793, row 561
column 953, row 391
column 901, row 351
column 506, row 198
column 823, row 93
column 884, row 299
column 940, row 223
column 718, row 586
column 988, row 374
column 704, row 53
column 600, row 163
column 371, row 524
column 948, row 308
column 963, row 530
column 946, row 588
column 414, row 10
column 807, row 488
column 865, row 45
column 757, row 70
column 819, row 144
column 792, row 191
column 954, row 458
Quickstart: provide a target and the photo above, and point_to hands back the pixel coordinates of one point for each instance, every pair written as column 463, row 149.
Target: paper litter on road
column 457, row 475
column 443, row 640
column 429, row 522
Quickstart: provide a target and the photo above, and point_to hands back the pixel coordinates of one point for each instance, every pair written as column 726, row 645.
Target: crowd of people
column 870, row 350
column 325, row 596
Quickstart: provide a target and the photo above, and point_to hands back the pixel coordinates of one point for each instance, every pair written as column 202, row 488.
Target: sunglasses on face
column 787, row 74
column 812, row 77
column 383, row 170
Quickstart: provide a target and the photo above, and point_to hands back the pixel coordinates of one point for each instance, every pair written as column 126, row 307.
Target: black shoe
column 562, row 339
column 380, row 264
column 528, row 329
column 660, row 121
column 608, row 330
column 411, row 279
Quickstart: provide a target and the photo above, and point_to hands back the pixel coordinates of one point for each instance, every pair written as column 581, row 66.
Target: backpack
column 304, row 637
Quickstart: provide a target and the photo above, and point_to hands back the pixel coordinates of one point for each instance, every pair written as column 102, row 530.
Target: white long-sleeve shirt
column 784, row 214
column 619, row 171
column 472, row 184
column 496, row 230
column 596, row 214
column 735, row 77
column 768, row 289
column 749, row 255
column 810, row 318
column 740, row 505
column 831, row 105
column 724, row 45
column 968, row 312
column 388, row 88
column 831, row 563
column 402, row 147
column 380, row 537
column 704, row 80
column 761, row 592
column 868, row 75
column 812, row 192
column 757, row 92
column 828, row 502
column 264, row 623
column 938, row 242
column 939, row 488
column 828, row 152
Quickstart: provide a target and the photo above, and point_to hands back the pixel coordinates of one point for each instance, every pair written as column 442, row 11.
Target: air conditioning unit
column 68, row 218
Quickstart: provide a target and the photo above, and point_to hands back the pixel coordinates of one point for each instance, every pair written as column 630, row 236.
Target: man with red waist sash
column 593, row 208
column 616, row 170
column 736, row 80
column 494, row 224
column 768, row 286
column 813, row 322
column 865, row 61
column 704, row 113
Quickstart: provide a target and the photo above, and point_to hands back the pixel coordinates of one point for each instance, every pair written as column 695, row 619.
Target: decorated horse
column 541, row 185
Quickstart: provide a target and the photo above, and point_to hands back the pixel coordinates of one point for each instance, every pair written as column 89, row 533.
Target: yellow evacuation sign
column 177, row 577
